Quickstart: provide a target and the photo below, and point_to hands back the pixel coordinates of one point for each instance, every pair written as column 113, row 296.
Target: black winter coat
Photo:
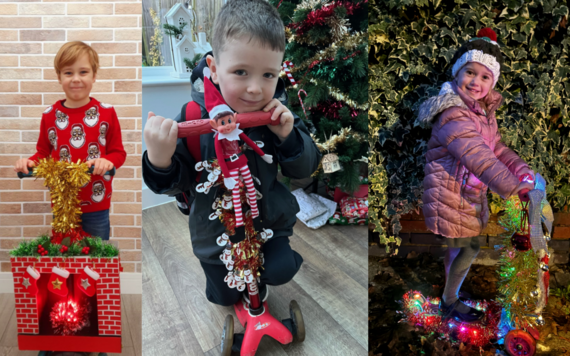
column 298, row 157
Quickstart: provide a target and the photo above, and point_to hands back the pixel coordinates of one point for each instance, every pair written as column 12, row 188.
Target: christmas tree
column 327, row 65
column 518, row 266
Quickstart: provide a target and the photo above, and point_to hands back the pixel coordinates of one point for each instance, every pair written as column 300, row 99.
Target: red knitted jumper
column 89, row 132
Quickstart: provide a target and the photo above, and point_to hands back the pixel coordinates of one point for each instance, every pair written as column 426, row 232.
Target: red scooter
column 254, row 316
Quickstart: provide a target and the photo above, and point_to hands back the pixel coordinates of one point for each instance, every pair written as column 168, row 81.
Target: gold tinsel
column 337, row 94
column 347, row 43
column 64, row 181
column 339, row 27
column 330, row 145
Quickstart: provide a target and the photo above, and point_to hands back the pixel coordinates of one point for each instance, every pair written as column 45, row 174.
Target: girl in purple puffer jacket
column 465, row 157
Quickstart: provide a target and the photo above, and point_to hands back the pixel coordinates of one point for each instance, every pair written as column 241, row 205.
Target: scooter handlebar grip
column 31, row 172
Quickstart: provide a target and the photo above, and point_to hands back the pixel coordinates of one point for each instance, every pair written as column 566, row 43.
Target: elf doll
column 230, row 157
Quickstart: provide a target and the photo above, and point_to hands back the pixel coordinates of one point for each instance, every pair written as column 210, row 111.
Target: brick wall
column 108, row 291
column 416, row 237
column 30, row 35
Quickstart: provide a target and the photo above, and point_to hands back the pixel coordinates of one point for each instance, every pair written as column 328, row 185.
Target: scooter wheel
column 227, row 336
column 519, row 342
column 298, row 321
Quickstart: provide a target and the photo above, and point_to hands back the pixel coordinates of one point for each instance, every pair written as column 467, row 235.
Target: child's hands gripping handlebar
column 528, row 181
column 245, row 120
column 21, row 175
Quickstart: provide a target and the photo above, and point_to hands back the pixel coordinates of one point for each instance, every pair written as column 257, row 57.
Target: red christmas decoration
column 423, row 312
column 58, row 281
column 330, row 109
column 30, row 279
column 487, row 32
column 319, row 17
column 68, row 316
column 87, row 281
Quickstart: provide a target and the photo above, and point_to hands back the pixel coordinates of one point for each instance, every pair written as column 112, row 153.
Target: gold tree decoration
column 64, row 181
column 155, row 54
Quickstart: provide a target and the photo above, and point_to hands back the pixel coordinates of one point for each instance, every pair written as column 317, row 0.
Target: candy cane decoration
column 287, row 64
column 303, row 106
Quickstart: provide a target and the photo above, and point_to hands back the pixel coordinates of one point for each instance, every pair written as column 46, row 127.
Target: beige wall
column 30, row 35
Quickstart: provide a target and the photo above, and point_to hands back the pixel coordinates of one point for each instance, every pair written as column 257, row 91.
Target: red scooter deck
column 258, row 326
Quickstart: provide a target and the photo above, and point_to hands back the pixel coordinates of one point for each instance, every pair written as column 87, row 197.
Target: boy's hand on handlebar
column 160, row 136
column 102, row 165
column 23, row 164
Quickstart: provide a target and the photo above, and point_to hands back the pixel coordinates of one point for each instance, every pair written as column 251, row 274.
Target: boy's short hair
column 70, row 52
column 256, row 19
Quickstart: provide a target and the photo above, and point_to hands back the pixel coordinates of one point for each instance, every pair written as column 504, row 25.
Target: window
column 157, row 50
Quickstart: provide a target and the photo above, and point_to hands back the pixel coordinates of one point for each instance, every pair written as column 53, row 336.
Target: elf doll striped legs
column 251, row 197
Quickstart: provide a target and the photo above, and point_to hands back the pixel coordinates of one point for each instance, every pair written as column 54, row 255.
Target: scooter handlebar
column 523, row 194
column 31, row 172
column 245, row 120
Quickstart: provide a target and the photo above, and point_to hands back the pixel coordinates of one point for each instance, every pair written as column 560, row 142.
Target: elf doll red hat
column 215, row 103
column 482, row 49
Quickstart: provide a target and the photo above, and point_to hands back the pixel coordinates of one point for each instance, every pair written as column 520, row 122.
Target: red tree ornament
column 29, row 281
column 58, row 281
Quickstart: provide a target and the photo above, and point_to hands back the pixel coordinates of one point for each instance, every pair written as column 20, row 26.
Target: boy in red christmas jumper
column 81, row 128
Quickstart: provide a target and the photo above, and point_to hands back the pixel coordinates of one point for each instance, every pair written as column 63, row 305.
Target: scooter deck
column 258, row 326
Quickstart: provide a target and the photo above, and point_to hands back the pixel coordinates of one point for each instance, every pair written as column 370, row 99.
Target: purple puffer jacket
column 465, row 157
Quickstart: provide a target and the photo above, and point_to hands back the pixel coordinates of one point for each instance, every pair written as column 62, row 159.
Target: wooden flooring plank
column 173, row 249
column 7, row 308
column 341, row 296
column 10, row 337
column 126, row 338
column 349, row 256
column 13, row 351
column 166, row 330
column 358, row 234
column 126, row 351
column 132, row 304
column 324, row 335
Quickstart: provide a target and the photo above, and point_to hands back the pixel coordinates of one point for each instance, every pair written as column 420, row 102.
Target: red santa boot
column 87, row 281
column 58, row 281
column 29, row 281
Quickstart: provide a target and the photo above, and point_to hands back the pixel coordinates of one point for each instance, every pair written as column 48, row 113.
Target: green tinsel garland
column 97, row 248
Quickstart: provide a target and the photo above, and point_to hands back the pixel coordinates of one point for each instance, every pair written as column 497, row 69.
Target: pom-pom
column 487, row 32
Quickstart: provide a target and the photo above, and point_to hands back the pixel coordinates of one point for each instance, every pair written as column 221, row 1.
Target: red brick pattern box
column 108, row 290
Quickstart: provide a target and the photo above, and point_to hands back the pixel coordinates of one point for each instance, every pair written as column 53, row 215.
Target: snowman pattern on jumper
column 77, row 139
column 61, row 120
column 93, row 151
column 91, row 116
column 48, row 109
column 64, row 154
column 98, row 192
column 103, row 133
column 52, row 136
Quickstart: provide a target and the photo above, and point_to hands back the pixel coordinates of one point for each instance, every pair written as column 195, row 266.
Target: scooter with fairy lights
column 517, row 334
column 253, row 314
column 68, row 342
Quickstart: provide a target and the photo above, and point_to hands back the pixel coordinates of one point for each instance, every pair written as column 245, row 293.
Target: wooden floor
column 130, row 316
column 331, row 289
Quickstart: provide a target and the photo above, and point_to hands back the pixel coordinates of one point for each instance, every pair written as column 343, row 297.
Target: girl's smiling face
column 475, row 80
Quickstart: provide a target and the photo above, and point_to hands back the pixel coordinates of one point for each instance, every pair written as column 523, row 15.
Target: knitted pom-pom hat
column 482, row 49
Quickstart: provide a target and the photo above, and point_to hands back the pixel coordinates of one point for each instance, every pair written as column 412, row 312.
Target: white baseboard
column 131, row 283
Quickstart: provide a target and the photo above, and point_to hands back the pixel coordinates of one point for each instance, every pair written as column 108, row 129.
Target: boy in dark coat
column 248, row 48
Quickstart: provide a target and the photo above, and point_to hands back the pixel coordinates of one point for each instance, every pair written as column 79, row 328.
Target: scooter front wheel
column 227, row 336
column 519, row 342
column 298, row 321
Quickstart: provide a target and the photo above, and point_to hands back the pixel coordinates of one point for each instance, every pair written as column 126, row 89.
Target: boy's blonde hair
column 254, row 19
column 70, row 52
